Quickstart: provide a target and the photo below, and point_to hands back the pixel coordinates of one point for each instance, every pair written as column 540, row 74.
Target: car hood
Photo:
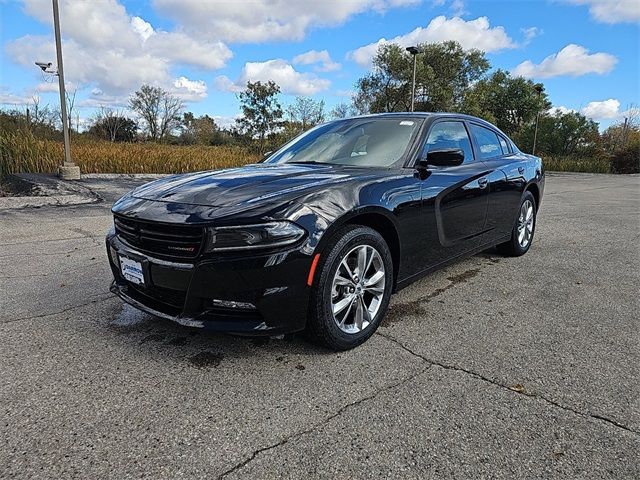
column 248, row 184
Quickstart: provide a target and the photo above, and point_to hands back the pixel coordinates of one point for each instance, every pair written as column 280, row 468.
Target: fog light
column 232, row 304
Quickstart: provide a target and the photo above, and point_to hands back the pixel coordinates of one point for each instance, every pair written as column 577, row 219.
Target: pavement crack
column 509, row 388
column 322, row 422
column 91, row 302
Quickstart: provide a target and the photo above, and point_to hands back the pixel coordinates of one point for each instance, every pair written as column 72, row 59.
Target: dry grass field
column 22, row 152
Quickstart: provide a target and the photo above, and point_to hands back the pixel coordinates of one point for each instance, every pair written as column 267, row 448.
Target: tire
column 366, row 299
column 519, row 245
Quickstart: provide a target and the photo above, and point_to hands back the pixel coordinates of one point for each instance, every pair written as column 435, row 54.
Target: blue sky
column 585, row 51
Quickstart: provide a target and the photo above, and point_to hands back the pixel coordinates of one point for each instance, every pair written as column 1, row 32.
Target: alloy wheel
column 525, row 224
column 357, row 289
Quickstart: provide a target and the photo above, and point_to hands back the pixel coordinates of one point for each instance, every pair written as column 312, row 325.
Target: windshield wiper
column 312, row 162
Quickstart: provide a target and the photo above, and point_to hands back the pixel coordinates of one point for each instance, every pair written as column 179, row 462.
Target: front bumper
column 251, row 294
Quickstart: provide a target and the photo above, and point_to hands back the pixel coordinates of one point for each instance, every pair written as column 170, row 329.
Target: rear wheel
column 523, row 230
column 352, row 289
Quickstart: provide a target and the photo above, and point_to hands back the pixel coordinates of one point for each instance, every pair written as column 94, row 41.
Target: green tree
column 199, row 130
column 510, row 103
column 113, row 125
column 444, row 72
column 261, row 113
column 563, row 134
column 159, row 110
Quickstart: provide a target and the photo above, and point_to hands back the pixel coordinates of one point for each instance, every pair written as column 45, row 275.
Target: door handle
column 482, row 182
column 520, row 170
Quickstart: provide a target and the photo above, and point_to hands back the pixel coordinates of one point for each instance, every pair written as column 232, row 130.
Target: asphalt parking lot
column 494, row 367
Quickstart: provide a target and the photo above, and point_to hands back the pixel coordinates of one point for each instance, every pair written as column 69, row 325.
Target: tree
column 160, row 110
column 563, row 134
column 510, row 103
column 261, row 112
column 444, row 72
column 306, row 112
column 623, row 132
column 197, row 130
column 342, row 110
column 114, row 126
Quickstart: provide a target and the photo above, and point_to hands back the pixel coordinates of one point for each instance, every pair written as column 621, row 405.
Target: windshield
column 366, row 142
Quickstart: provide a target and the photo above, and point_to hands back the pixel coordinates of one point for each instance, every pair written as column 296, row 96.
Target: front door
column 454, row 198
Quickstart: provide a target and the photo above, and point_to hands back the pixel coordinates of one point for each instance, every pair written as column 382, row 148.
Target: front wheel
column 523, row 230
column 352, row 290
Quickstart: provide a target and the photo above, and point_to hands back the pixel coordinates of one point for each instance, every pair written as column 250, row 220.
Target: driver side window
column 449, row 136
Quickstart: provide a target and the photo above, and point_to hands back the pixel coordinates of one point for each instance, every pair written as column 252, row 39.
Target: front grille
column 172, row 241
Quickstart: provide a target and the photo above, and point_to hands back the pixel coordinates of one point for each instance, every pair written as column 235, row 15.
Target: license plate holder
column 132, row 270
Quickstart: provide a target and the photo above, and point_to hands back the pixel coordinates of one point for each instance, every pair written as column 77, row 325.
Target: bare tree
column 160, row 110
column 306, row 112
column 342, row 110
column 71, row 102
column 39, row 116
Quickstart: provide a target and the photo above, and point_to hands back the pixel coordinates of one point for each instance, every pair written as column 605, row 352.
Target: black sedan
column 320, row 234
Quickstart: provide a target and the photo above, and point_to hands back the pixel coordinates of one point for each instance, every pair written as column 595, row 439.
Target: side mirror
column 451, row 157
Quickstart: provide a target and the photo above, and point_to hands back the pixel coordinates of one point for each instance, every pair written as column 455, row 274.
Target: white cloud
column 572, row 60
column 106, row 48
column 176, row 47
column 470, row 34
column 290, row 80
column 48, row 87
column 606, row 109
column 530, row 33
column 8, row 98
column 190, row 90
column 612, row 11
column 263, row 20
column 560, row 110
column 142, row 28
column 317, row 57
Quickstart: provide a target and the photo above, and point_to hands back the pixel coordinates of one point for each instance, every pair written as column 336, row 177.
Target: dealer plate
column 132, row 270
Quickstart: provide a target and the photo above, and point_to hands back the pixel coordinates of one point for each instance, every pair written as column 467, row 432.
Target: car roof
column 436, row 115
column 427, row 115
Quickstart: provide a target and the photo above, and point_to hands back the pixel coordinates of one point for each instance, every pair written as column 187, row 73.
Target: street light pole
column 539, row 89
column 68, row 170
column 413, row 51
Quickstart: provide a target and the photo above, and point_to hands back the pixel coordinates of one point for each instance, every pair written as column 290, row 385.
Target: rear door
column 454, row 198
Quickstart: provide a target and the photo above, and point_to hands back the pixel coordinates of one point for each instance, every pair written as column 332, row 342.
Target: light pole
column 413, row 51
column 68, row 170
column 539, row 88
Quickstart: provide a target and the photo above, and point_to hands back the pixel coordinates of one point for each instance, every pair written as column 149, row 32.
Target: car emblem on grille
column 181, row 249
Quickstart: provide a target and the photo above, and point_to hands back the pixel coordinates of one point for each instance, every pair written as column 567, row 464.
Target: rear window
column 504, row 145
column 487, row 142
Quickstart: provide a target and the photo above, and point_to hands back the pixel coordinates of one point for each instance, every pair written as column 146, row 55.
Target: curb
column 52, row 191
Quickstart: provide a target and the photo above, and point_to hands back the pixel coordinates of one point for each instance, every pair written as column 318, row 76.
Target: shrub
column 577, row 164
column 627, row 160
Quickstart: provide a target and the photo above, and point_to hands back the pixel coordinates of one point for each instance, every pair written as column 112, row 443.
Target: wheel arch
column 535, row 191
column 376, row 218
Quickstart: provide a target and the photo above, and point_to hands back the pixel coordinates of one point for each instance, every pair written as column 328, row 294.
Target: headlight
column 245, row 237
